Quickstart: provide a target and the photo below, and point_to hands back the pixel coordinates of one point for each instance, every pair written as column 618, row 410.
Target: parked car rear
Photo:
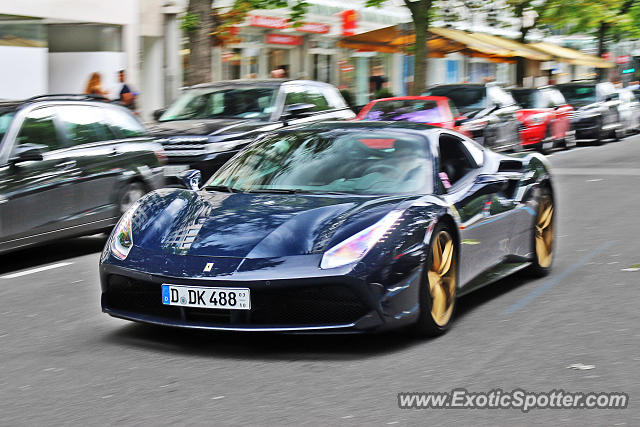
column 546, row 118
column 490, row 113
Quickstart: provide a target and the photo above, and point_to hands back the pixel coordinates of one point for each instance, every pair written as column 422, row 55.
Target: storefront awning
column 571, row 56
column 443, row 41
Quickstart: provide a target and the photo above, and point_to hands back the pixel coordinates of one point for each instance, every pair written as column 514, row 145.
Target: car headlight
column 219, row 147
column 356, row 247
column 536, row 119
column 122, row 237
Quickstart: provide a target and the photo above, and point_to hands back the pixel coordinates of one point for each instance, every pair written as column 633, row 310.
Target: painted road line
column 35, row 270
column 597, row 171
column 554, row 280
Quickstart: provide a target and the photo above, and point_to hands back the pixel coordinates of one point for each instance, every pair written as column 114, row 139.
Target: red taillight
column 161, row 156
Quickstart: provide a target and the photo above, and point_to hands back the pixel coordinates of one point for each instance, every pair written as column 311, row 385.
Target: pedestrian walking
column 127, row 96
column 94, row 86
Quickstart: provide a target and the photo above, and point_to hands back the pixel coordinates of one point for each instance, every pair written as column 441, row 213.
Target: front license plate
column 173, row 170
column 205, row 297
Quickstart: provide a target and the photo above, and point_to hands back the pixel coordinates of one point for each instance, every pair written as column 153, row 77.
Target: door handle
column 66, row 165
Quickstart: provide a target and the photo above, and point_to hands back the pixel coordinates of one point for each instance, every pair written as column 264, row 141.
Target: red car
column 431, row 110
column 546, row 118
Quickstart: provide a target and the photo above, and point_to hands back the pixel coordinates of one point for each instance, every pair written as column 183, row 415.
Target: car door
column 480, row 202
column 506, row 122
column 94, row 145
column 37, row 195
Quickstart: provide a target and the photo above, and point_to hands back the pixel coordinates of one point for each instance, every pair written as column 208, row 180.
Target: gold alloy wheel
column 442, row 278
column 544, row 232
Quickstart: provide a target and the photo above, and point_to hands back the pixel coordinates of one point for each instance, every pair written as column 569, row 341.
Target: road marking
column 597, row 171
column 554, row 280
column 35, row 270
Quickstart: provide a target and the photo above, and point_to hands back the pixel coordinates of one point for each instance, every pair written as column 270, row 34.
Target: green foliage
column 383, row 93
column 621, row 17
column 190, row 22
column 298, row 7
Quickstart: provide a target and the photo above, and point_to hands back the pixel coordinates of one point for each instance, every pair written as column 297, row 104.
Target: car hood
column 251, row 225
column 208, row 127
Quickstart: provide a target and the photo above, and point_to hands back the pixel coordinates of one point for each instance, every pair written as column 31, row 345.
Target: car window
column 124, row 123
column 331, row 160
column 578, row 93
column 410, row 110
column 84, row 124
column 39, row 128
column 6, row 117
column 455, row 161
column 307, row 95
column 465, row 98
column 232, row 102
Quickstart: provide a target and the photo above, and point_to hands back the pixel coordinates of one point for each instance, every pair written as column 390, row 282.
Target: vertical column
column 397, row 74
column 172, row 59
column 362, row 80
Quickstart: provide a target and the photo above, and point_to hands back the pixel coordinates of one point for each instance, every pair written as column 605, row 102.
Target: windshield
column 579, row 94
column 465, row 98
column 5, row 121
column 527, row 98
column 411, row 110
column 222, row 103
column 330, row 161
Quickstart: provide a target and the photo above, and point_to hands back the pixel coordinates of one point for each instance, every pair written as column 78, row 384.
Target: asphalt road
column 64, row 362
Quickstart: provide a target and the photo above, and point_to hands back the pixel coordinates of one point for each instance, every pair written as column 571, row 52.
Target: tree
column 603, row 18
column 197, row 23
column 421, row 14
column 206, row 27
column 528, row 13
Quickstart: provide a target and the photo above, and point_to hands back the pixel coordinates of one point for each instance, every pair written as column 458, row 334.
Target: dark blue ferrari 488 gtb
column 332, row 227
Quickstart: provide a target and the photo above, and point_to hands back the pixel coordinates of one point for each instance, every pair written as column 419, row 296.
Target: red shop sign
column 314, row 27
column 349, row 22
column 268, row 22
column 283, row 39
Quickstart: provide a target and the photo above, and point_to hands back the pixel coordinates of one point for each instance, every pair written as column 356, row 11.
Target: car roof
column 369, row 125
column 255, row 82
column 410, row 98
column 480, row 85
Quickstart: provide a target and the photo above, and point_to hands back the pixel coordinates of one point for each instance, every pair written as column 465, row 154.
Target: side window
column 124, row 123
column 557, row 97
column 307, row 95
column 316, row 97
column 455, row 160
column 84, row 124
column 39, row 128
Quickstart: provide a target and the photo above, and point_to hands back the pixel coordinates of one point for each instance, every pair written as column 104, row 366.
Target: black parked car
column 70, row 165
column 596, row 113
column 210, row 123
column 490, row 112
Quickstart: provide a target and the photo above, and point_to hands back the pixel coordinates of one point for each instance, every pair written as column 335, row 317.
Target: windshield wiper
column 224, row 188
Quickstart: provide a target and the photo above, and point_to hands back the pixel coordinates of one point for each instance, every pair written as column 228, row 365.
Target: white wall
column 151, row 81
column 69, row 71
column 111, row 11
column 23, row 72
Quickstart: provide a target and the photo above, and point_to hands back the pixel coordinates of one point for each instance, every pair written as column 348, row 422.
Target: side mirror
column 28, row 153
column 158, row 113
column 297, row 110
column 190, row 179
column 459, row 120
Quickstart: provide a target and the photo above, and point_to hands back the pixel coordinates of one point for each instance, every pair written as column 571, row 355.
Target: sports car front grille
column 324, row 304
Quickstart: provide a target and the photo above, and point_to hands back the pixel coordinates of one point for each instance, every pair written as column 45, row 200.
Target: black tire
column 540, row 264
column 602, row 135
column 427, row 325
column 129, row 195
